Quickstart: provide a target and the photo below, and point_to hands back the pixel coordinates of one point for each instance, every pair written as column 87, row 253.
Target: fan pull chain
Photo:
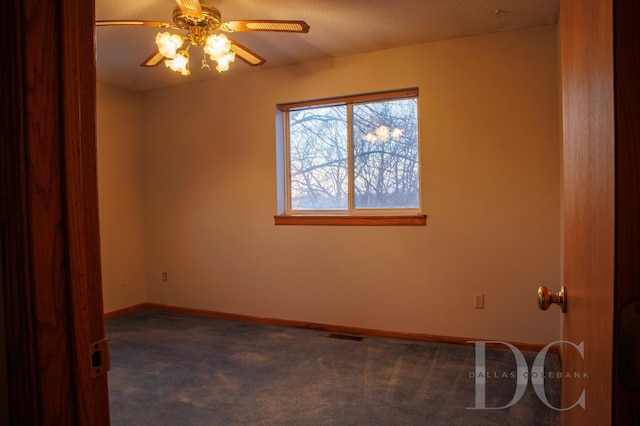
column 205, row 64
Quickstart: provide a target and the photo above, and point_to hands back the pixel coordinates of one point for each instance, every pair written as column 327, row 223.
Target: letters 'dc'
column 522, row 374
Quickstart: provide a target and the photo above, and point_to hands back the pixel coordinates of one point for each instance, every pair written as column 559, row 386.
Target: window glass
column 318, row 158
column 385, row 160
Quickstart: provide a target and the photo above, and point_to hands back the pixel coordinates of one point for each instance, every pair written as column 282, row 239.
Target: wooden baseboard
column 524, row 347
column 127, row 310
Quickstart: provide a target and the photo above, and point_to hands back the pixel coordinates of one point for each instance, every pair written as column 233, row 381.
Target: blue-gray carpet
column 175, row 369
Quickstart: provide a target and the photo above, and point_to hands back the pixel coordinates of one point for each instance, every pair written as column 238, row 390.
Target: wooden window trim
column 352, row 220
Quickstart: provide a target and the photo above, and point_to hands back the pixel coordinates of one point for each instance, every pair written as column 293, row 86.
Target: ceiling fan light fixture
column 200, row 20
column 168, row 44
column 217, row 46
column 180, row 63
column 223, row 63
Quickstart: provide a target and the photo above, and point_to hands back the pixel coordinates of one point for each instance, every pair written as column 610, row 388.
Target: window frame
column 351, row 216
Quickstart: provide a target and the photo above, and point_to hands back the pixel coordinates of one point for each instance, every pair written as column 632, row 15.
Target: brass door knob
column 546, row 298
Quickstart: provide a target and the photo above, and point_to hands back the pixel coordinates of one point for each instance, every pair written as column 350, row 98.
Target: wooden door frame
column 49, row 230
column 626, row 402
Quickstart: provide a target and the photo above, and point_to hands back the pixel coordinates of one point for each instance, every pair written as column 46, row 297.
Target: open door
column 586, row 43
column 601, row 132
column 49, row 233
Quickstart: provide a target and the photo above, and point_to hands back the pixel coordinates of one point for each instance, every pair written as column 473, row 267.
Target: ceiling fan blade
column 266, row 25
column 190, row 7
column 134, row 22
column 246, row 55
column 153, row 60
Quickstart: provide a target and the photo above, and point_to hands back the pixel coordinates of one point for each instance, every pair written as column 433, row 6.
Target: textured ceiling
column 338, row 27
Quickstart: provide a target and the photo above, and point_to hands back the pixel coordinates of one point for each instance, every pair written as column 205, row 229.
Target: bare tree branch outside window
column 318, row 159
column 385, row 144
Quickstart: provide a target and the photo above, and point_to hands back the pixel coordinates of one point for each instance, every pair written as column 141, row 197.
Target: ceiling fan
column 199, row 20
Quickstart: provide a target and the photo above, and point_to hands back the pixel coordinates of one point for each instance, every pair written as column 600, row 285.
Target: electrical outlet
column 164, row 276
column 122, row 280
column 478, row 301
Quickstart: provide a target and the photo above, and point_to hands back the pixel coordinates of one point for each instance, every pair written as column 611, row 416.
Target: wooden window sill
column 363, row 220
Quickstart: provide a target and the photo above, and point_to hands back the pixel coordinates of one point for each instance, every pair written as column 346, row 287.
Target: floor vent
column 345, row 337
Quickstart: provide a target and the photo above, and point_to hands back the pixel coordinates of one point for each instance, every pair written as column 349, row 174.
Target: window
column 351, row 160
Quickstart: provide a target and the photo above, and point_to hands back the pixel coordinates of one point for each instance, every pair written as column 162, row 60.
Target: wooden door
column 49, row 233
column 586, row 35
column 601, row 114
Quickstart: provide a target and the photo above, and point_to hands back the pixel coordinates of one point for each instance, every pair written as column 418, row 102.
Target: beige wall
column 120, row 197
column 489, row 134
